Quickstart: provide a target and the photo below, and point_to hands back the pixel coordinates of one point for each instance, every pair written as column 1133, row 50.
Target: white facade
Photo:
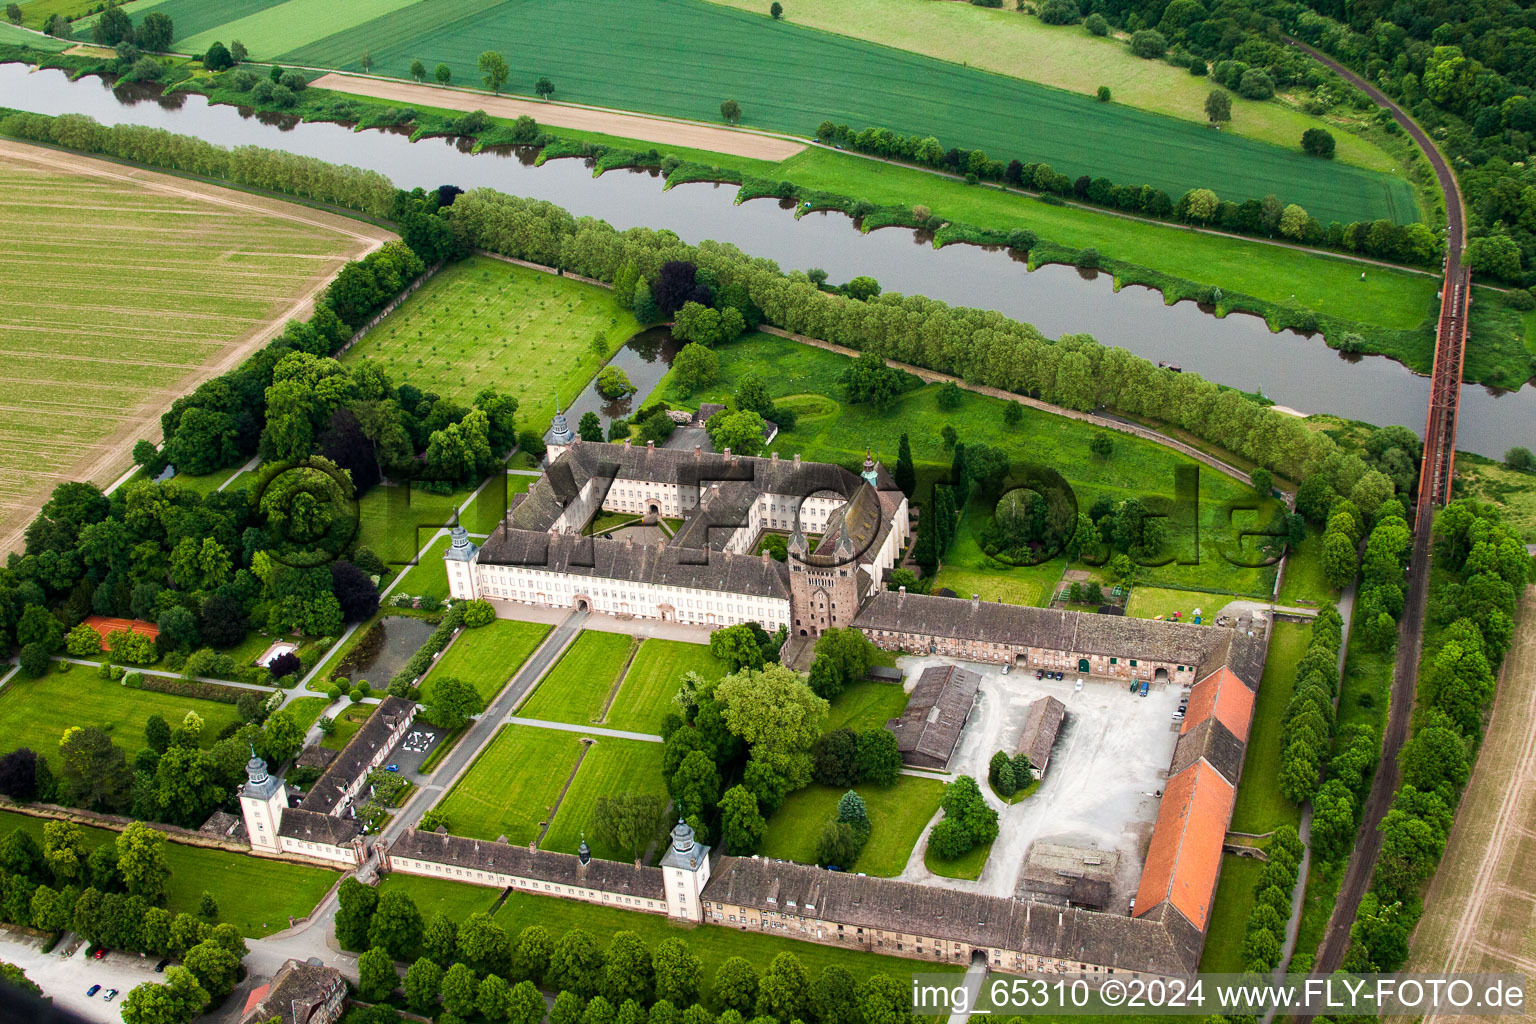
column 496, row 879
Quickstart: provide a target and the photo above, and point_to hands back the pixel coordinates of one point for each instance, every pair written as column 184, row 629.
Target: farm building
column 929, row 729
column 1041, row 725
column 1080, row 877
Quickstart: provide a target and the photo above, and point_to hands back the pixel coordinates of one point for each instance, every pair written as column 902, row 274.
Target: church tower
column 685, row 872
column 262, row 800
column 459, row 560
column 560, row 434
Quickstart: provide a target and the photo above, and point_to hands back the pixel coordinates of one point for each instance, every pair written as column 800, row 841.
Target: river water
column 1238, row 350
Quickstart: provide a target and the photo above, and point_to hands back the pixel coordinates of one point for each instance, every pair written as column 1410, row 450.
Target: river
column 1239, row 350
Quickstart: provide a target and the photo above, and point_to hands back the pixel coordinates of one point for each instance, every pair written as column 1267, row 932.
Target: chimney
column 698, row 452
column 901, row 595
column 975, row 602
column 765, row 556
column 797, row 458
column 650, row 445
column 727, row 453
column 774, row 456
column 533, row 846
column 637, row 863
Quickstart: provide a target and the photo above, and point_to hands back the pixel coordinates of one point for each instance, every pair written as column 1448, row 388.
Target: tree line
column 460, row 970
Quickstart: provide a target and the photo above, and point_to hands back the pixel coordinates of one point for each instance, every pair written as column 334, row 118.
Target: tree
column 93, row 771
column 1103, row 94
column 483, row 944
column 356, row 904
column 376, row 977
column 1148, row 43
column 879, row 759
column 443, row 74
column 590, row 428
column 460, row 990
column 214, row 967
column 494, row 1000
column 1218, row 107
column 1000, row 774
column 493, row 69
column 141, row 861
column 525, row 1005
column 112, row 26
column 695, row 786
column 419, row 73
column 13, row 13
column 1101, row 445
column 776, row 10
column 741, row 432
column 742, row 824
column 736, row 985
column 576, row 964
column 678, row 972
column 452, row 702
column 1318, row 142
column 694, row 368
column 217, row 58
column 730, row 110
column 627, row 970
column 18, row 775
column 772, row 708
column 34, row 660
column 156, row 31
column 738, row 646
column 785, row 991
column 423, row 983
column 1256, row 84
column 396, row 925
column 628, row 821
column 905, row 475
column 1520, row 459
column 544, row 88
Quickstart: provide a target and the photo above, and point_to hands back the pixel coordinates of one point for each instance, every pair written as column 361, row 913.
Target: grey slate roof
column 1214, row 742
column 316, row 827
column 1041, row 724
column 544, row 865
column 1246, row 658
column 929, row 728
column 295, row 992
column 1125, row 943
column 356, row 758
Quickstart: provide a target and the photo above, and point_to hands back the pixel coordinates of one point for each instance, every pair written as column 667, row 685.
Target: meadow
column 1152, row 602
column 348, row 721
column 612, row 766
column 831, row 431
column 898, row 813
column 866, row 704
column 131, row 276
column 1062, row 56
column 645, row 696
column 1229, row 915
column 503, row 793
column 489, row 656
column 255, row 894
column 577, row 689
column 1261, row 807
column 785, row 76
column 486, row 323
column 35, row 712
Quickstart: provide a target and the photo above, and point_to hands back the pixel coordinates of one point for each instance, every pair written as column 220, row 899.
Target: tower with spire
column 684, row 873
column 262, row 800
column 560, row 433
column 459, row 561
column 871, row 475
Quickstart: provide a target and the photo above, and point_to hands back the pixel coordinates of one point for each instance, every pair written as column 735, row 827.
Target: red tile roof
column 1225, row 696
column 107, row 626
column 1184, row 857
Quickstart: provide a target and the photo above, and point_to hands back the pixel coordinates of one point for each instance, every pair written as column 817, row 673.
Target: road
column 1435, row 476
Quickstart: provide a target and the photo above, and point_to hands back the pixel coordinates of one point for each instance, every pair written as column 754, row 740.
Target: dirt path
column 646, row 127
column 1479, row 908
column 104, row 462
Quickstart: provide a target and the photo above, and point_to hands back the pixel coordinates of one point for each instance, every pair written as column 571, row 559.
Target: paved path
column 586, row 730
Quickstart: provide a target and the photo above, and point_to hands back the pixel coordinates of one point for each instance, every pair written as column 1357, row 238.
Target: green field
column 612, row 766
column 255, row 894
column 513, row 785
column 866, row 704
column 35, row 712
column 785, row 77
column 456, row 900
column 645, row 696
column 1063, row 56
column 14, row 36
column 153, row 319
column 1261, row 806
column 1304, row 584
column 490, row 656
column 898, row 813
column 1152, row 602
column 486, row 323
column 396, row 521
column 427, row 578
column 305, row 711
column 1229, row 915
column 577, row 688
column 490, row 506
column 348, row 722
column 712, row 944
column 830, row 431
column 967, row 865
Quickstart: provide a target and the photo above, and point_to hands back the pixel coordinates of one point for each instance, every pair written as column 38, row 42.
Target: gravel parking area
column 65, row 979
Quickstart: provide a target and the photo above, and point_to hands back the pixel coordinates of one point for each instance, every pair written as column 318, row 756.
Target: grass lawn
column 1229, row 915
column 427, row 578
column 968, row 865
column 207, row 483
column 645, row 697
column 35, row 712
column 347, row 723
column 1303, row 584
column 305, row 711
column 486, row 323
column 1513, row 491
column 490, row 656
column 255, row 894
column 513, row 785
column 577, row 688
column 490, row 506
column 829, row 431
column 712, row 944
column 396, row 521
column 1063, row 56
column 791, row 78
column 1260, row 804
column 866, row 704
column 457, row 900
column 611, row 766
column 1161, row 602
column 898, row 813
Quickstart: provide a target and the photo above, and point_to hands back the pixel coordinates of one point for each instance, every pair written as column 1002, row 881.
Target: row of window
column 417, row 867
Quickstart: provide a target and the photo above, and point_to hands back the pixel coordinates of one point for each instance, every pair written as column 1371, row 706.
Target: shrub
column 243, row 81
column 34, row 659
column 283, row 97
column 478, row 613
column 293, row 81
column 190, row 688
column 83, row 641
column 1103, row 94
column 1096, row 25
column 1149, row 43
column 285, row 664
column 1317, row 142
column 1256, row 84
column 1060, row 12
column 261, row 92
column 132, row 648
column 333, row 691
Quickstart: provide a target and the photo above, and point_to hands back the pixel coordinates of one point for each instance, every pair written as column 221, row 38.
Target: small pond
column 645, row 359
column 384, row 649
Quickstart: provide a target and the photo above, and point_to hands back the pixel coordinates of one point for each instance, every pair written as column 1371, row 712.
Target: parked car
column 100, row 954
column 93, row 990
column 1059, row 675
column 110, row 994
column 392, row 768
column 162, row 965
column 1178, row 716
column 1145, row 689
column 1134, row 686
column 1039, row 673
column 1079, row 685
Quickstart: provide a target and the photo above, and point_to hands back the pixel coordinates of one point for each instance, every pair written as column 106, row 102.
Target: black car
column 1039, row 673
column 162, row 965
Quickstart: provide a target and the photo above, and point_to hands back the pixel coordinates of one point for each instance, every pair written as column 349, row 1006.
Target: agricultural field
column 807, row 379
column 898, row 813
column 612, row 766
column 499, row 796
column 488, row 657
column 785, row 74
column 255, row 894
column 1261, row 807
column 645, row 696
column 486, row 323
column 866, row 704
column 1063, row 57
column 155, row 283
column 35, row 712
column 577, row 689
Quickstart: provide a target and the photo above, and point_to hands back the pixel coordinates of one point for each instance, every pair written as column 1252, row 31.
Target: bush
column 1148, row 44
column 243, row 81
column 1096, row 25
column 333, row 691
column 1060, row 12
column 293, row 81
column 34, row 659
column 83, row 642
column 283, row 97
column 1317, row 142
column 1103, row 94
column 191, row 688
column 1256, row 84
column 478, row 613
column 261, row 92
